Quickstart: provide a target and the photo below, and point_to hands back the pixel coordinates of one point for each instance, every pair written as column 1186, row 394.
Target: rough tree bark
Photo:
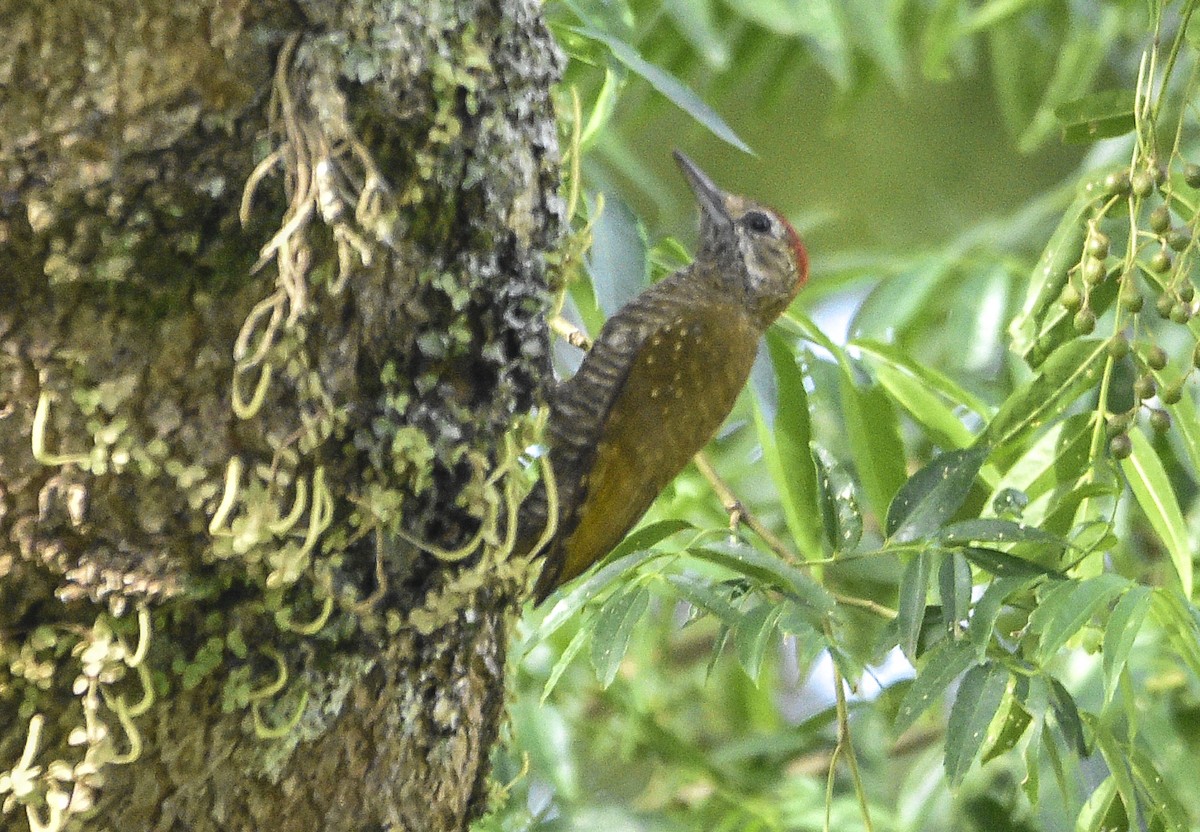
column 272, row 281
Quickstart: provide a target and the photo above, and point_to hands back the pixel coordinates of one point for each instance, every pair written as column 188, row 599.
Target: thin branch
column 738, row 513
column 574, row 336
column 844, row 743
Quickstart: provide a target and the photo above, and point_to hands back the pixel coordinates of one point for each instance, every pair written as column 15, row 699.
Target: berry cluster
column 1162, row 219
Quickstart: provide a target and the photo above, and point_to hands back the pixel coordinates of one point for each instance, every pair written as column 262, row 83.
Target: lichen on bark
column 271, row 317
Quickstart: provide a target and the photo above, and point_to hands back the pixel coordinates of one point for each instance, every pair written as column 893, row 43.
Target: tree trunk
column 272, row 283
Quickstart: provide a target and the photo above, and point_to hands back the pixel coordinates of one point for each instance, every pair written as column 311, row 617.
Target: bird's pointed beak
column 710, row 197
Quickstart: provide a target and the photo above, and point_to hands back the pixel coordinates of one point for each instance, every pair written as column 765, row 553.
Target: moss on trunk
column 272, row 287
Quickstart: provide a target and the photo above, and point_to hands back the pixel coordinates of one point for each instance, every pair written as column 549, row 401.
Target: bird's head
column 749, row 245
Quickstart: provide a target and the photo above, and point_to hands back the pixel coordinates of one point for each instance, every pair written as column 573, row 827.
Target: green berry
column 1120, row 446
column 1160, row 219
column 1093, row 271
column 1131, row 299
column 1070, row 298
column 1186, row 291
column 1156, row 358
column 1142, row 183
column 1172, row 393
column 1118, row 347
column 1085, row 321
column 1144, row 386
column 1164, row 305
column 1159, row 172
column 1160, row 420
column 1117, row 184
column 1160, row 263
column 1196, row 356
column 1118, row 423
column 1097, row 245
column 1178, row 239
column 1191, row 175
column 1181, row 313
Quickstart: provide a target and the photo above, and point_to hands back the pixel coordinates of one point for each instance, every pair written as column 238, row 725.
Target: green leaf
column 1066, row 714
column 1064, row 249
column 871, row 424
column 1167, row 806
column 603, row 105
column 937, row 383
column 839, row 505
column 668, row 85
column 718, row 648
column 1178, row 620
column 647, row 536
column 932, row 495
column 769, row 569
column 896, row 301
column 810, row 644
column 987, row 610
column 943, row 664
column 754, row 634
column 926, row 408
column 696, row 22
column 614, row 626
column 1120, row 632
column 979, row 697
column 1115, row 757
column 1059, row 457
column 914, row 589
column 1033, row 764
column 564, row 661
column 954, row 585
column 1102, row 811
column 603, row 14
column 875, row 28
column 941, row 38
column 617, row 259
column 1097, row 115
column 785, row 433
column 1079, row 59
column 875, row 443
column 990, row 13
column 995, row 530
column 700, row 593
column 1072, row 369
column 1067, row 607
column 815, row 20
column 590, row 587
column 1056, row 765
column 1152, row 488
column 1009, row 731
column 1004, row 565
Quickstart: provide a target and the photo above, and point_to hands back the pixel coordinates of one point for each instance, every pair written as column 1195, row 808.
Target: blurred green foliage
column 972, row 444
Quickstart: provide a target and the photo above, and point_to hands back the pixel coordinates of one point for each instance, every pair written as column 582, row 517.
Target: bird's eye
column 758, row 222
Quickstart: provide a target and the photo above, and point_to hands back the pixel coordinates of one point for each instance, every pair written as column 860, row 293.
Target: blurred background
column 869, row 148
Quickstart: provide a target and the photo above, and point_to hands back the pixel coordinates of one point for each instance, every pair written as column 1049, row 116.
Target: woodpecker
column 663, row 375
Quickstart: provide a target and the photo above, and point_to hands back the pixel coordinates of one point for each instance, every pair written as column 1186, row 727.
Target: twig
column 817, row 762
column 844, row 743
column 739, row 513
column 574, row 336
